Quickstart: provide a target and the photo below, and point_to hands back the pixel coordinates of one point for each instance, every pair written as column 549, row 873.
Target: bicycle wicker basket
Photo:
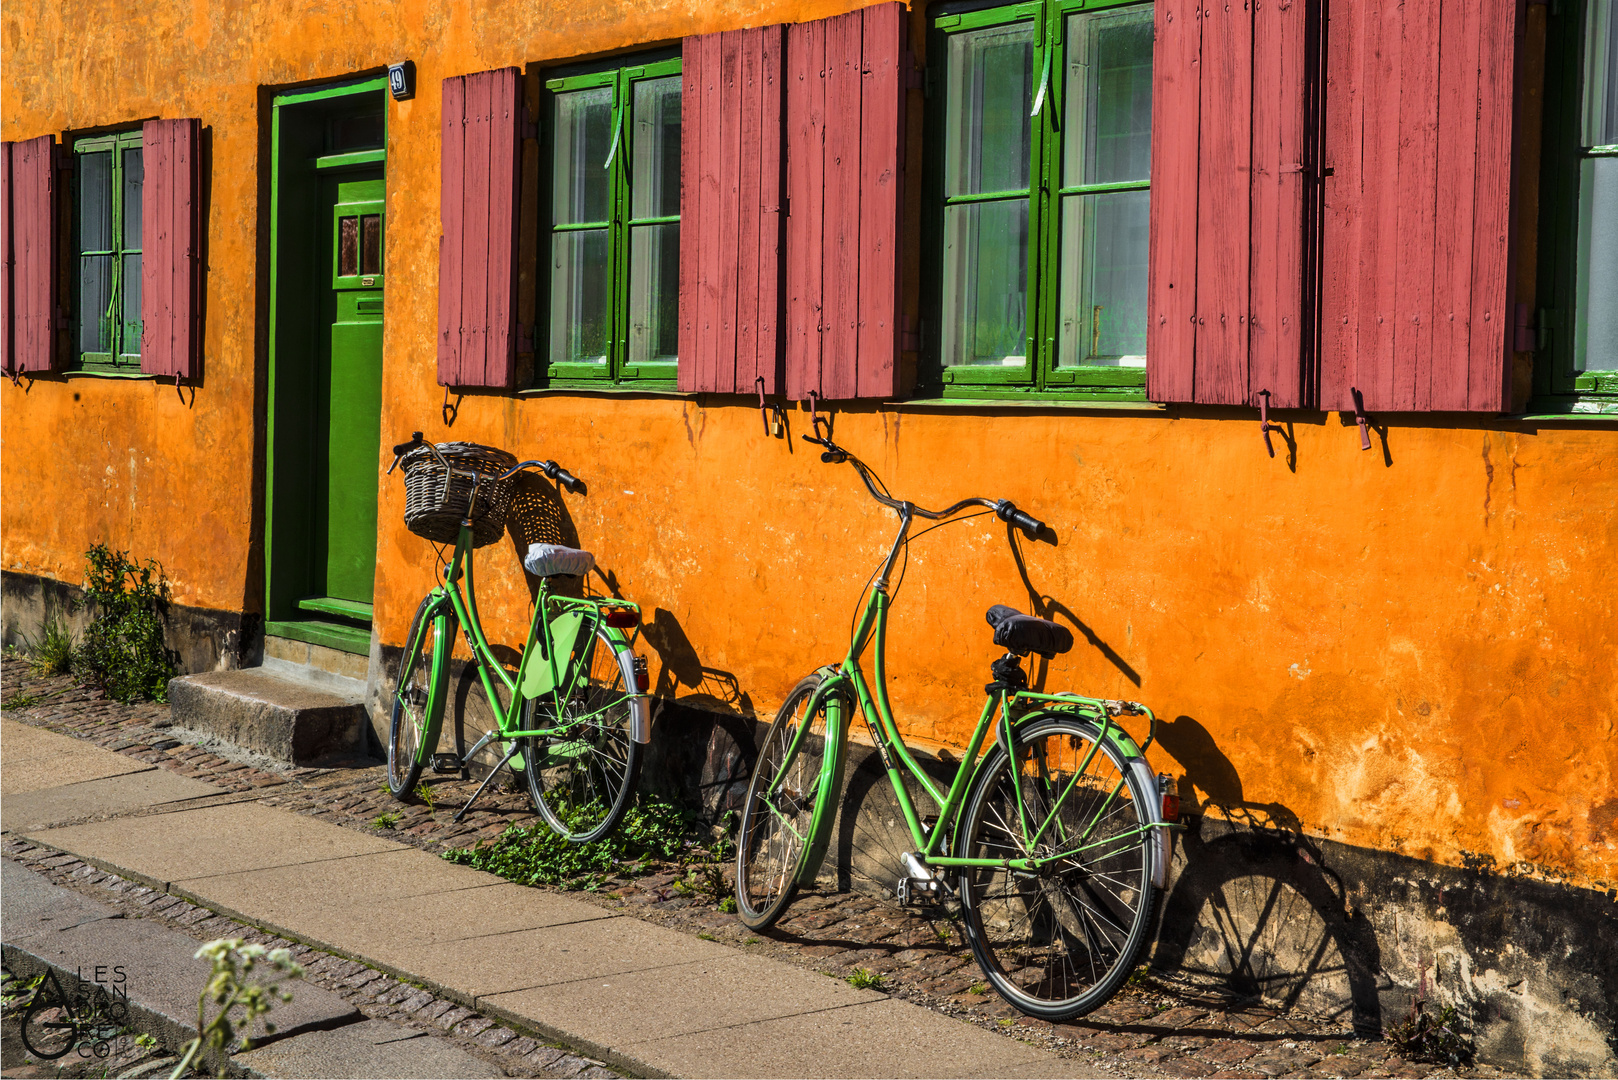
column 436, row 498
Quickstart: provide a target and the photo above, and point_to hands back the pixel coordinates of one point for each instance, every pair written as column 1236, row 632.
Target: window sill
column 1571, row 407
column 658, row 388
column 1063, row 402
column 98, row 373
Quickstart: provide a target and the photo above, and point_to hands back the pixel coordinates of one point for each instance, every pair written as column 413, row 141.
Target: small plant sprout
column 19, row 700
column 426, row 794
column 230, row 988
column 865, row 979
column 387, row 820
column 978, row 988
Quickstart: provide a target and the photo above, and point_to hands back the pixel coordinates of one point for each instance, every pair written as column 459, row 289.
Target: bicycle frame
column 562, row 676
column 848, row 679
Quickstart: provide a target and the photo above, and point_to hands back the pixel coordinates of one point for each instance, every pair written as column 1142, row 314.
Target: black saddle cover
column 1023, row 634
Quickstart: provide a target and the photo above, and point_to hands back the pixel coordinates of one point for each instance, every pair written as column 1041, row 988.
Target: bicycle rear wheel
column 582, row 779
column 1057, row 942
column 426, row 653
column 777, row 818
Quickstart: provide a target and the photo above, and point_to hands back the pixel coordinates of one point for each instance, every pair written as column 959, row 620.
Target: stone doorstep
column 285, row 718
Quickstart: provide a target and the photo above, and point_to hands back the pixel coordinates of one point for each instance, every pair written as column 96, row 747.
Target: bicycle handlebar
column 1004, row 509
column 554, row 472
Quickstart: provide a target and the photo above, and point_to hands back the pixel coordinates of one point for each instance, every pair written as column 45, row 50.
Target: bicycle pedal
column 446, row 763
column 918, row 892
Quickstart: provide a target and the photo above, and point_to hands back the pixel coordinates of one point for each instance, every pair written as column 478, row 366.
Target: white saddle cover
column 549, row 560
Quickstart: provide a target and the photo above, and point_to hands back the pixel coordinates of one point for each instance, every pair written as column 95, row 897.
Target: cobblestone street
column 1156, row 1026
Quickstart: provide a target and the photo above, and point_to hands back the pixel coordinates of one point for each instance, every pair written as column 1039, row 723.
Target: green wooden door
column 354, row 387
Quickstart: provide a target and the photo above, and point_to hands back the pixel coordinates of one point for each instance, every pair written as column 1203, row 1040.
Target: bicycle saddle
column 551, row 560
column 1023, row 634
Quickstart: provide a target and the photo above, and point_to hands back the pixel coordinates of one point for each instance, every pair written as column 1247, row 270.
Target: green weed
column 51, row 653
column 388, row 820
column 978, row 988
column 728, row 905
column 1436, row 1039
column 866, row 979
column 19, row 700
column 536, row 855
column 707, row 937
column 123, row 648
column 427, row 796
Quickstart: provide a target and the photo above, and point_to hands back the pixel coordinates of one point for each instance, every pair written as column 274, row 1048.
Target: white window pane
column 95, row 202
column 985, row 311
column 1601, row 74
column 1109, row 97
column 654, row 292
column 1597, row 330
column 134, row 181
column 990, row 75
column 583, row 138
column 1103, row 284
column 655, row 178
column 581, row 297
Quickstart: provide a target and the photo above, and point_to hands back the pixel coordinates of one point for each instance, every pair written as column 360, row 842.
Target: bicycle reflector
column 623, row 618
column 643, row 679
column 1171, row 797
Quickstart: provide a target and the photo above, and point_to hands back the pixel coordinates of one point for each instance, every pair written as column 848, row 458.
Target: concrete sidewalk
column 648, row 1000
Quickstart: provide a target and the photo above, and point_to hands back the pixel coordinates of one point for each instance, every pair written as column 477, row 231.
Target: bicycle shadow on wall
column 538, row 515
column 1253, row 909
column 1048, row 607
column 704, row 740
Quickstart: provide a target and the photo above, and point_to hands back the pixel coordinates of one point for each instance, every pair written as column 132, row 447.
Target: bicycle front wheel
column 582, row 778
column 1057, row 941
column 423, row 669
column 778, row 816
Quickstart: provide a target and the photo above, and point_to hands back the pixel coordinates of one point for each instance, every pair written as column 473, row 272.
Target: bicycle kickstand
column 486, row 781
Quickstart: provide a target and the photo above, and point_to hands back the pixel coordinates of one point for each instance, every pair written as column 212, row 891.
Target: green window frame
column 1576, row 368
column 1037, row 200
column 609, row 243
column 107, row 181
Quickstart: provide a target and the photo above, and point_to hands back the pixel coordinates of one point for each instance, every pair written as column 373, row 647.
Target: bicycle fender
column 640, row 705
column 831, row 772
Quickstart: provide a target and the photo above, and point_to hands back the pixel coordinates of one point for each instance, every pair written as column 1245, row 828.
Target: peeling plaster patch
column 1299, row 671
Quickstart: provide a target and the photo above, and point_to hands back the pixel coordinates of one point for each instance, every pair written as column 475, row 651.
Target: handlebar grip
column 567, row 479
column 415, row 441
column 1030, row 525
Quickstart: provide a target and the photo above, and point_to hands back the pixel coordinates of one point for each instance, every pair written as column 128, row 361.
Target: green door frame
column 347, row 630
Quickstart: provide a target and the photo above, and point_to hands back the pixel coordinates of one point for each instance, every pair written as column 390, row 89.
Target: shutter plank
column 691, row 220
column 772, row 190
column 452, row 151
column 505, row 104
column 1172, row 245
column 1372, row 364
column 1416, row 213
column 1489, row 371
column 1342, row 221
column 475, row 222
column 712, row 253
column 1457, row 161
column 750, row 82
column 806, row 44
column 1224, row 198
column 33, row 242
column 882, row 99
column 1281, row 61
column 841, row 262
column 728, row 184
column 8, row 353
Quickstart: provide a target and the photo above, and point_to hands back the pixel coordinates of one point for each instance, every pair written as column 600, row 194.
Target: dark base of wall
column 202, row 639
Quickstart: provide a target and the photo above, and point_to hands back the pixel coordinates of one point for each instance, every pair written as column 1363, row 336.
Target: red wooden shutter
column 30, row 259
column 7, row 274
column 730, row 211
column 477, row 257
column 1230, row 139
column 845, row 105
column 171, row 243
column 1416, row 247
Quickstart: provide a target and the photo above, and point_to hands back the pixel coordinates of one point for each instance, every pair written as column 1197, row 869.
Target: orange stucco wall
column 1411, row 649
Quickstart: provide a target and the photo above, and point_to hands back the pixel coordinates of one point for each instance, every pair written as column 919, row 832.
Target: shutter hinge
column 1546, row 320
column 1524, row 340
column 528, row 128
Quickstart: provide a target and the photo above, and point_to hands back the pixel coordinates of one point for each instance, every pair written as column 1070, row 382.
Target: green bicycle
column 578, row 713
column 1055, row 844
